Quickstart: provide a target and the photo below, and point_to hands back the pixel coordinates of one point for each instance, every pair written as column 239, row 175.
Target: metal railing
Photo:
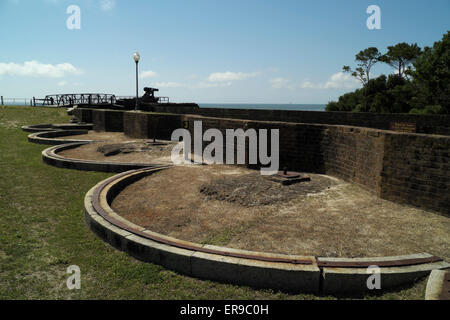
column 160, row 99
column 66, row 100
column 16, row 101
column 125, row 97
column 63, row 100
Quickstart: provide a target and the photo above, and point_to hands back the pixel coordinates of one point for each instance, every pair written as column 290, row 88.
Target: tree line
column 420, row 83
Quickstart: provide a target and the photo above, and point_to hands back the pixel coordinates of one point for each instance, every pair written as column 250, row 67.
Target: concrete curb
column 52, row 127
column 436, row 285
column 50, row 156
column 256, row 269
column 348, row 280
column 50, row 137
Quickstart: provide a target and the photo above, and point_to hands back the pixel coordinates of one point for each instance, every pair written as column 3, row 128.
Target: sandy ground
column 144, row 153
column 329, row 218
column 99, row 136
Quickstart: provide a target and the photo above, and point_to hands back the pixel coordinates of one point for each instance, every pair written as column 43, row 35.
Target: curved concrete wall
column 259, row 269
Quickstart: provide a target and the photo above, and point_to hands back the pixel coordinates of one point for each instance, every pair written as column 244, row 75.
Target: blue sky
column 246, row 51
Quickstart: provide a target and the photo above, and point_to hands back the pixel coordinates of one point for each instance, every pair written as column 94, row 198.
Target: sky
column 203, row 51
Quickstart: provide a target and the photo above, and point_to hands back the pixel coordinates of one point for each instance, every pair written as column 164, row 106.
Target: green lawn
column 43, row 232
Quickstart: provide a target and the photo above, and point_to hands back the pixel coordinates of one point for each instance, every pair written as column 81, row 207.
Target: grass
column 42, row 232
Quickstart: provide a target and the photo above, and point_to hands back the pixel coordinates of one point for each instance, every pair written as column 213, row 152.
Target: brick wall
column 416, row 170
column 149, row 125
column 437, row 124
column 135, row 125
column 430, row 124
column 107, row 120
column 409, row 168
column 83, row 114
column 354, row 154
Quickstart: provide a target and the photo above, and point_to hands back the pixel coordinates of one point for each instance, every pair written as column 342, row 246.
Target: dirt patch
column 338, row 219
column 252, row 189
column 116, row 147
column 98, row 136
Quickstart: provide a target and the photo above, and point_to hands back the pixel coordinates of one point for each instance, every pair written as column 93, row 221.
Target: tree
column 365, row 59
column 422, row 88
column 401, row 56
column 431, row 76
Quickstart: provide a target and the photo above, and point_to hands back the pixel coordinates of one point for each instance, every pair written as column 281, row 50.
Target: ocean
column 16, row 102
column 266, row 106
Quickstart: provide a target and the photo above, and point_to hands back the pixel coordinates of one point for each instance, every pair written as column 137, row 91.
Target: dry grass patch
column 325, row 217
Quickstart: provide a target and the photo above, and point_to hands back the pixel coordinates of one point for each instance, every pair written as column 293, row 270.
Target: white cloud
column 170, row 84
column 62, row 83
column 198, row 85
column 204, row 85
column 192, row 76
column 230, row 76
column 281, row 83
column 36, row 68
column 309, row 85
column 148, row 74
column 342, row 80
column 107, row 5
column 214, row 80
column 338, row 80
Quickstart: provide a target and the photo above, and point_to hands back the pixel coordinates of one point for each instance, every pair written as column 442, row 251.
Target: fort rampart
column 411, row 168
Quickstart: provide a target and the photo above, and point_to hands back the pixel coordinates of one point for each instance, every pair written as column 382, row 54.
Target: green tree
column 365, row 60
column 431, row 77
column 401, row 56
column 423, row 89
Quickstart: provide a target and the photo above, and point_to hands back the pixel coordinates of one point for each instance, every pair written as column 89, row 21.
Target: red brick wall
column 430, row 124
column 416, row 170
column 409, row 168
column 107, row 120
column 354, row 154
column 149, row 125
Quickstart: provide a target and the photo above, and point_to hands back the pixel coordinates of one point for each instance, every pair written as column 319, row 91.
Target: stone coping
column 51, row 137
column 258, row 269
column 438, row 285
column 52, row 127
column 51, row 157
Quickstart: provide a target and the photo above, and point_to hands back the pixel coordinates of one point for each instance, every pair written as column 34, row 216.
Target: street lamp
column 136, row 58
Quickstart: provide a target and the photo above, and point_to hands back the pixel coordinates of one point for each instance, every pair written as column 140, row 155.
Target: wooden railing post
column 2, row 100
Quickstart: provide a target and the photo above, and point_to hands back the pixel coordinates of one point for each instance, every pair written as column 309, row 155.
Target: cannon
column 149, row 95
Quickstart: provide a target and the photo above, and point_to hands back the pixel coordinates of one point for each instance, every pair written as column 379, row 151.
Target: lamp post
column 136, row 58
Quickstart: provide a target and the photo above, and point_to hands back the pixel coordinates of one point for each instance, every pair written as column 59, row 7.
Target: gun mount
column 149, row 96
